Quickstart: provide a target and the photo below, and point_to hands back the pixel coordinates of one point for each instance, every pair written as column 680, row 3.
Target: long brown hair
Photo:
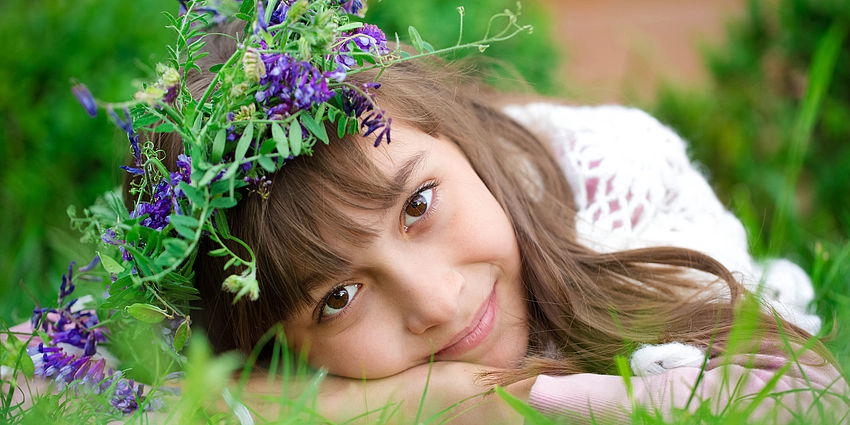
column 584, row 307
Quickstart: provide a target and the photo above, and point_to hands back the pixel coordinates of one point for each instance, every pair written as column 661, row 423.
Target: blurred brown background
column 619, row 50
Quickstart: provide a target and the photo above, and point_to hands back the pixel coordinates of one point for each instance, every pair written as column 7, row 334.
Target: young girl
column 530, row 242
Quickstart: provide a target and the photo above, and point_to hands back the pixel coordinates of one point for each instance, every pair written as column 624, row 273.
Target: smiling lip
column 474, row 334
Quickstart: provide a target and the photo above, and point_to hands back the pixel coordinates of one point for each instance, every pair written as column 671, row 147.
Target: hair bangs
column 307, row 221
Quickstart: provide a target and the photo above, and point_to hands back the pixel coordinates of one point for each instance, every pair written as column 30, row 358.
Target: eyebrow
column 402, row 175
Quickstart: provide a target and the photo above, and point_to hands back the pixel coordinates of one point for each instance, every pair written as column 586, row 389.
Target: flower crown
column 266, row 104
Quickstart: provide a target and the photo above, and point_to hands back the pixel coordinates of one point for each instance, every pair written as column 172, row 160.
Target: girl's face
column 442, row 276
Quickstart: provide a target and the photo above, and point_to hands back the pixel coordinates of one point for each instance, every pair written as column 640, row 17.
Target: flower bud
column 253, row 65
column 150, row 94
column 170, row 77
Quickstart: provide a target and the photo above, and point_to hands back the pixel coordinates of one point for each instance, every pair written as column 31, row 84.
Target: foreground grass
column 212, row 391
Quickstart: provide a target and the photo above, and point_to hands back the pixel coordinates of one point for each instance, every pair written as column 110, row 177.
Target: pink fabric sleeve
column 605, row 398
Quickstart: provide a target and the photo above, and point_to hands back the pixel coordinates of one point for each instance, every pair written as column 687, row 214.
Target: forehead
column 409, row 150
column 412, row 158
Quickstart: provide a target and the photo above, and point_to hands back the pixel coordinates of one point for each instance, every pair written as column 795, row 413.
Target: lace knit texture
column 635, row 187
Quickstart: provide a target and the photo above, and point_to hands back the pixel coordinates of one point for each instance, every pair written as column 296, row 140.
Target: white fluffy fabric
column 654, row 359
column 634, row 187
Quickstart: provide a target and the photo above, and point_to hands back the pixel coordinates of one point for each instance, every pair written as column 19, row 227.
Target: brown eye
column 418, row 205
column 338, row 299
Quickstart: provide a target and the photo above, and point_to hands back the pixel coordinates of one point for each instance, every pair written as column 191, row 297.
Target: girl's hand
column 450, row 384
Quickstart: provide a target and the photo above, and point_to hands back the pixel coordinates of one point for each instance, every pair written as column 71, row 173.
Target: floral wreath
column 266, row 105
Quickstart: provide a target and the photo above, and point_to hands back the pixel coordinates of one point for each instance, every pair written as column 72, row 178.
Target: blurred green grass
column 783, row 168
column 54, row 154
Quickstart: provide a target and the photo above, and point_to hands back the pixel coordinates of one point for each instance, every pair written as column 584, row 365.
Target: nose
column 427, row 297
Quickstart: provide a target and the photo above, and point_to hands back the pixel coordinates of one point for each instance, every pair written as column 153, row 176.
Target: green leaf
column 198, row 45
column 158, row 164
column 220, row 186
column 246, row 7
column 184, row 220
column 295, row 138
column 350, row 26
column 314, row 127
column 110, row 265
column 531, row 416
column 175, row 247
column 244, row 16
column 209, row 175
column 280, row 140
column 215, row 68
column 218, row 146
column 232, row 261
column 266, row 163
column 333, row 114
column 244, row 143
column 181, row 335
column 195, row 195
column 143, row 263
column 221, row 223
column 223, row 202
column 415, row 38
column 16, row 353
column 185, row 231
column 146, row 119
column 221, row 252
column 165, row 127
column 341, row 125
column 146, row 312
column 267, row 147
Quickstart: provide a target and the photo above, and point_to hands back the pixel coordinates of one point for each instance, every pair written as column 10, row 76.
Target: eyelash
column 432, row 184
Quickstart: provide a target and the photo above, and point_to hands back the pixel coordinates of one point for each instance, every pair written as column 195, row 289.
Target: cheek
column 365, row 351
column 481, row 228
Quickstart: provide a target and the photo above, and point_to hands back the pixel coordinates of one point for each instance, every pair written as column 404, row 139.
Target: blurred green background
column 740, row 125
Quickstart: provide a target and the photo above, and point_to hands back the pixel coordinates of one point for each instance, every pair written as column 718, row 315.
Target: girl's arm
column 809, row 389
column 450, row 383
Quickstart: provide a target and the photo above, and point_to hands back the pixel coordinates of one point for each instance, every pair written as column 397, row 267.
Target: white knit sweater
column 635, row 187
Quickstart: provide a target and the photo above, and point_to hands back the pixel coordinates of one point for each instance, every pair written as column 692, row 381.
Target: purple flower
column 109, row 237
column 67, row 287
column 279, row 13
column 171, row 94
column 291, row 85
column 126, row 124
column 134, row 143
column 83, row 95
column 94, row 262
column 84, row 373
column 259, row 185
column 354, row 7
column 132, row 170
column 261, row 16
column 184, row 163
column 368, row 38
column 355, row 103
column 337, row 75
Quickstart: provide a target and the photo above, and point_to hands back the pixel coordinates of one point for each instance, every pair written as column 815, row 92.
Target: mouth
column 474, row 334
